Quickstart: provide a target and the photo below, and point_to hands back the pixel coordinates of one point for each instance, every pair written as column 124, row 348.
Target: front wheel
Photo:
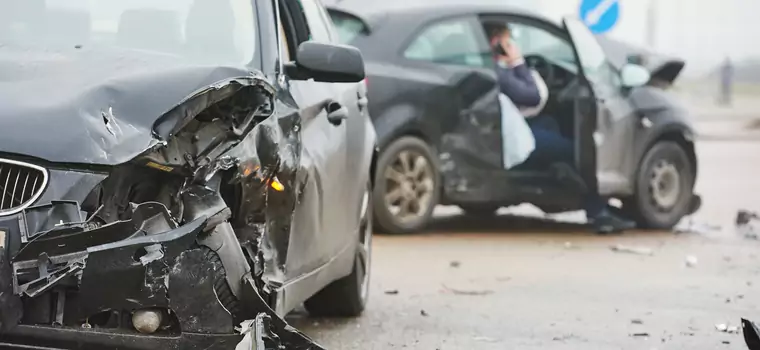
column 664, row 187
column 406, row 186
column 347, row 297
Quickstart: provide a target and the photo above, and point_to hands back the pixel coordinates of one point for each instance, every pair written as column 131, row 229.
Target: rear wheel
column 406, row 186
column 347, row 297
column 664, row 187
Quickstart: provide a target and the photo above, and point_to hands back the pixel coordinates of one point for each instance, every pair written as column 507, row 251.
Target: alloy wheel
column 409, row 186
column 365, row 244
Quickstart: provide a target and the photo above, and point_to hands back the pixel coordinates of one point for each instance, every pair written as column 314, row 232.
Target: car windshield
column 207, row 31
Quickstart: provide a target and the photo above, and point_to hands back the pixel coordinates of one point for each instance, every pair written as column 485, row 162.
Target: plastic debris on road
column 744, row 224
column 619, row 248
column 691, row 261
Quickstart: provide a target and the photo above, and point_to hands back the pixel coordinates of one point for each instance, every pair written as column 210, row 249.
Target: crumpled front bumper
column 74, row 272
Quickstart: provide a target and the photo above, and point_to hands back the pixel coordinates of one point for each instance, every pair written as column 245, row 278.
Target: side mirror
column 328, row 63
column 633, row 75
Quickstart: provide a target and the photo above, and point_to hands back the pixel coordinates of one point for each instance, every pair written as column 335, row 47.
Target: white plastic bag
column 517, row 139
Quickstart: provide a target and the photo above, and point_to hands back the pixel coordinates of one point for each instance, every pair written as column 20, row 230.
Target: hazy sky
column 701, row 31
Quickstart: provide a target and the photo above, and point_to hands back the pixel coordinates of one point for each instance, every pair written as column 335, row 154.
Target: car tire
column 419, row 194
column 347, row 297
column 479, row 210
column 666, row 167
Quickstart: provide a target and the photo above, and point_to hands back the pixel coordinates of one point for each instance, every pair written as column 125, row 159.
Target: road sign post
column 600, row 15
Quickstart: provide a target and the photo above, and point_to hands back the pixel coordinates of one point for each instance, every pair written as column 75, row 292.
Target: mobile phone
column 499, row 49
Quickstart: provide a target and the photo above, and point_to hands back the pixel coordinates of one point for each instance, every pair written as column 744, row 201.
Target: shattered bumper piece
column 145, row 262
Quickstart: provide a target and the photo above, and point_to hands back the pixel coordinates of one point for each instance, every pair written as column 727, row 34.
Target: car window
column 347, row 27
column 454, row 41
column 592, row 57
column 537, row 41
column 319, row 27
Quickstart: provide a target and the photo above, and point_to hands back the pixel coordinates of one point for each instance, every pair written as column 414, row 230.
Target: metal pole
column 651, row 24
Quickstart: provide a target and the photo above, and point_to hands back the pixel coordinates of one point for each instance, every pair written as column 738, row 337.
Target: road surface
column 524, row 283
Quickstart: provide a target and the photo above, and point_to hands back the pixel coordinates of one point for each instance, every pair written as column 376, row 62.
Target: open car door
column 604, row 118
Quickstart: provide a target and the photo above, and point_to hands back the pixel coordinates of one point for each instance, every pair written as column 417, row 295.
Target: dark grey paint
column 422, row 99
column 95, row 118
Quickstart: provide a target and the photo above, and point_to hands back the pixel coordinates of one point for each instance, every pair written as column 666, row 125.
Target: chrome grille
column 21, row 184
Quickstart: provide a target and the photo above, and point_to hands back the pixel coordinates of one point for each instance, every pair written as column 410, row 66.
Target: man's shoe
column 607, row 223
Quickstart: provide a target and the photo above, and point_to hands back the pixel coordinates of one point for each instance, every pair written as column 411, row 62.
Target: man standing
column 516, row 82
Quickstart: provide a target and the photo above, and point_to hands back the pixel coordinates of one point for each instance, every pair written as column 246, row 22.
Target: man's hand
column 514, row 56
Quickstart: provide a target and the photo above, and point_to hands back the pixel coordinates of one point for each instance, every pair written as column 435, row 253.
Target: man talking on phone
column 517, row 82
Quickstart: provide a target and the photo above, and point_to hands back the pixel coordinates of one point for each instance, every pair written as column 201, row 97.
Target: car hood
column 93, row 105
column 662, row 67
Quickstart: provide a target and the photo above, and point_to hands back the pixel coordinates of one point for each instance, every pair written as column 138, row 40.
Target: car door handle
column 362, row 102
column 336, row 113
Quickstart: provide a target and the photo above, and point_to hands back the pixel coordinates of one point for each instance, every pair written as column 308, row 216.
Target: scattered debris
column 468, row 292
column 690, row 334
column 570, row 245
column 424, row 313
column 641, row 334
column 691, row 261
column 485, row 339
column 722, row 327
column 454, row 264
column 391, row 292
column 740, row 296
column 726, row 342
column 690, row 226
column 728, row 300
column 744, row 225
column 619, row 248
column 637, row 321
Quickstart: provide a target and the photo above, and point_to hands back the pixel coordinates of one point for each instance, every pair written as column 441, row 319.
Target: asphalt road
column 519, row 282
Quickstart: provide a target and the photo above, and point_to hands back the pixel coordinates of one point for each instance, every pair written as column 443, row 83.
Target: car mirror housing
column 633, row 75
column 328, row 63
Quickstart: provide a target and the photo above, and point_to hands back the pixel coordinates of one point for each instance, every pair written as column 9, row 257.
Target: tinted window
column 454, row 41
column 318, row 25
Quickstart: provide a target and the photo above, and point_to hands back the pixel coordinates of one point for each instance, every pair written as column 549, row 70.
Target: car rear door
column 605, row 119
column 456, row 50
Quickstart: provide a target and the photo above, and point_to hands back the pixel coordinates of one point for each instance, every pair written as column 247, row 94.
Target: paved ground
column 511, row 284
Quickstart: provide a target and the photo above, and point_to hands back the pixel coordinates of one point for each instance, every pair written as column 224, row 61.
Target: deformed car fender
column 397, row 121
column 661, row 118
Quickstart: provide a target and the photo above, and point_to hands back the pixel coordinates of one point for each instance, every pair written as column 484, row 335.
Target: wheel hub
column 665, row 185
column 409, row 186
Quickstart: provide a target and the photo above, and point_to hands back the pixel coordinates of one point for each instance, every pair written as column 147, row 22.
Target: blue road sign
column 600, row 15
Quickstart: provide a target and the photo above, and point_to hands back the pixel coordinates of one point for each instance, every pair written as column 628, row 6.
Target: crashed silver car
column 170, row 170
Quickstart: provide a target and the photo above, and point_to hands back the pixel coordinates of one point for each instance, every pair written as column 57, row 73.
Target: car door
column 456, row 50
column 319, row 218
column 604, row 115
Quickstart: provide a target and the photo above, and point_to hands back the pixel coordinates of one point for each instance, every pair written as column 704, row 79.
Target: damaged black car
column 170, row 170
